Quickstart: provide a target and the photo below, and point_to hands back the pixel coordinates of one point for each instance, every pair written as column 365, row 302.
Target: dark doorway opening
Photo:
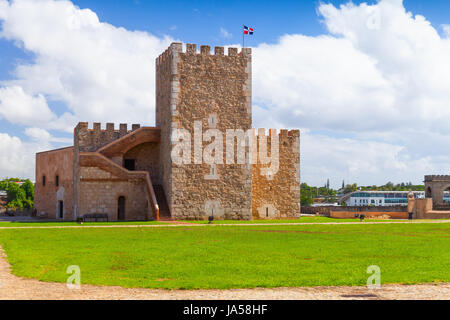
column 130, row 164
column 121, row 209
column 60, row 209
column 428, row 193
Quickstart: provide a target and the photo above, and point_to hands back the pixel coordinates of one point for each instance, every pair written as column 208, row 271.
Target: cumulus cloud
column 20, row 108
column 99, row 71
column 43, row 136
column 17, row 157
column 363, row 160
column 379, row 79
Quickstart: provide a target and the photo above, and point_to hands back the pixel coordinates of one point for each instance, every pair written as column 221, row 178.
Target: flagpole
column 243, row 39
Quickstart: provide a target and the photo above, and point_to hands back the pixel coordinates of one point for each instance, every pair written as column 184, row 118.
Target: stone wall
column 100, row 191
column 214, row 90
column 146, row 156
column 349, row 212
column 321, row 211
column 435, row 185
column 90, row 140
column 369, row 214
column 167, row 88
column 51, row 164
column 277, row 195
column 423, row 209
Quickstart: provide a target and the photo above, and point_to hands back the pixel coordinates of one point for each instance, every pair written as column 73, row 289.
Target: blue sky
column 201, row 21
column 350, row 93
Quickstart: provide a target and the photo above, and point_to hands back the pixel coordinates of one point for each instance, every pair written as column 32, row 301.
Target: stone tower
column 200, row 96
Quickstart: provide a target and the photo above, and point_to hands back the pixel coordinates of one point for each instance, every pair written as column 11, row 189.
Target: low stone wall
column 396, row 212
column 441, row 207
column 17, row 213
column 437, row 215
column 369, row 214
column 424, row 209
column 321, row 211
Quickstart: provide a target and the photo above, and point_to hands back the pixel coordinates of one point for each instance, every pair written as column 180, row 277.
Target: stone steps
column 164, row 211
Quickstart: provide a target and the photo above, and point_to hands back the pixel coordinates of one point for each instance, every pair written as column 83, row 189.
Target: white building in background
column 384, row 198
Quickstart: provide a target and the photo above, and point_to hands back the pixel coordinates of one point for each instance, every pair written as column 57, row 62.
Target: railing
column 152, row 196
column 92, row 158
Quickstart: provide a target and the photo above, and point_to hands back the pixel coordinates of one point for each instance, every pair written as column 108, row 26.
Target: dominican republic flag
column 248, row 30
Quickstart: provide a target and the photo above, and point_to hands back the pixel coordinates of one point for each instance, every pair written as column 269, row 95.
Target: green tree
column 16, row 196
column 28, row 187
column 307, row 194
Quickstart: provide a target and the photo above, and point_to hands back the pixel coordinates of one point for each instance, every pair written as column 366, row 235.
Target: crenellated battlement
column 205, row 50
column 282, row 133
column 288, row 140
column 430, row 178
column 92, row 138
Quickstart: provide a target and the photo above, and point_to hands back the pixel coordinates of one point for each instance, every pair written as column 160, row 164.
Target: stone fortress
column 202, row 158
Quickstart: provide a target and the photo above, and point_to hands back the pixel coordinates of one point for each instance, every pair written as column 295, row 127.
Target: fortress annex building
column 202, row 158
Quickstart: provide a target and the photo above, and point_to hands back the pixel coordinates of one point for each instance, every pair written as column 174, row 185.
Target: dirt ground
column 16, row 288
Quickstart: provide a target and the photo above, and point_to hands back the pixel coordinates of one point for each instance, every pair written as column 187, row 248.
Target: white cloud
column 101, row 72
column 380, row 77
column 388, row 75
column 225, row 34
column 446, row 29
column 356, row 160
column 17, row 157
column 20, row 108
column 43, row 136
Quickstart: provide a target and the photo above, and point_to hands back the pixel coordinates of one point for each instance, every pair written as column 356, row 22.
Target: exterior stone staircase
column 164, row 211
column 100, row 161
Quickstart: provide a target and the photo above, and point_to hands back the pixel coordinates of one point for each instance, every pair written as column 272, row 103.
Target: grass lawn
column 15, row 224
column 308, row 219
column 233, row 257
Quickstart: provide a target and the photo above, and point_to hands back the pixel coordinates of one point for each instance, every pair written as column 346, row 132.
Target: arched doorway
column 428, row 193
column 121, row 208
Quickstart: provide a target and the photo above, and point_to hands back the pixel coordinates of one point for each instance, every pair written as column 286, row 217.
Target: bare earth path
column 15, row 288
column 184, row 224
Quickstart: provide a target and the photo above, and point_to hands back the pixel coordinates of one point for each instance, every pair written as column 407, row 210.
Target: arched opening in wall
column 60, row 209
column 121, row 208
column 428, row 193
column 446, row 196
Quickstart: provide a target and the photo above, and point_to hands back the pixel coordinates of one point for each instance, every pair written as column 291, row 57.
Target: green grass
column 301, row 220
column 233, row 257
column 15, row 224
column 5, row 224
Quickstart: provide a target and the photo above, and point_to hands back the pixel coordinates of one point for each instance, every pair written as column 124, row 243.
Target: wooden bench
column 95, row 217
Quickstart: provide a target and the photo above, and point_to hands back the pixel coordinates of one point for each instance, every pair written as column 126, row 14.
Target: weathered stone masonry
column 193, row 90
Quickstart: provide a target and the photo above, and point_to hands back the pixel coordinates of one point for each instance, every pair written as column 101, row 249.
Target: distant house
column 382, row 198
